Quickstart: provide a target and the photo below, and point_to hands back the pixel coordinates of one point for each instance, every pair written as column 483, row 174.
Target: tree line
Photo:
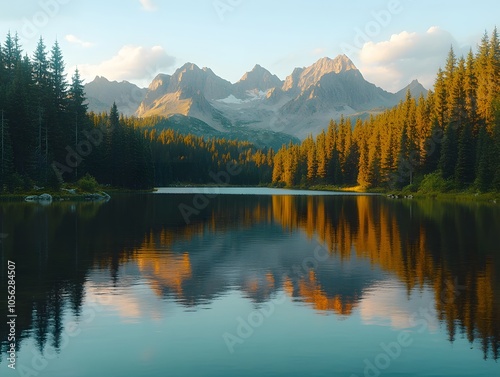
column 447, row 139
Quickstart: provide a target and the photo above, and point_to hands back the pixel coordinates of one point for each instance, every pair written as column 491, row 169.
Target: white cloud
column 387, row 304
column 394, row 63
column 73, row 39
column 132, row 63
column 148, row 5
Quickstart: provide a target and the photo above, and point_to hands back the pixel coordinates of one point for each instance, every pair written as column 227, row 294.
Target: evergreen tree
column 77, row 109
column 6, row 153
column 448, row 160
column 470, row 83
column 43, row 99
column 458, row 96
column 495, row 150
column 449, row 78
column 432, row 147
column 310, row 150
column 58, row 78
column 483, row 84
column 441, row 99
column 321, row 157
column 485, row 157
column 464, row 171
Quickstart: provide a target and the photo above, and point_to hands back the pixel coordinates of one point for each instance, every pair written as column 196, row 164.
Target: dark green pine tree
column 12, row 56
column 58, row 78
column 351, row 165
column 141, row 175
column 485, row 159
column 495, row 158
column 115, row 147
column 6, row 153
column 433, row 149
column 441, row 99
column 3, row 77
column 60, row 133
column 43, row 100
column 20, row 112
column 406, row 168
column 77, row 99
column 334, row 168
column 448, row 160
column 464, row 171
column 77, row 111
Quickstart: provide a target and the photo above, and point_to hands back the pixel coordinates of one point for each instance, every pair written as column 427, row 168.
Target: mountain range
column 300, row 105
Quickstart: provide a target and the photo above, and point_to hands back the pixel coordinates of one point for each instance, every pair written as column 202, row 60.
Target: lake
column 251, row 282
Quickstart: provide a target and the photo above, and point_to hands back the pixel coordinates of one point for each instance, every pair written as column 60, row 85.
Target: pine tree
column 43, row 98
column 494, row 69
column 485, row 158
column 58, row 78
column 441, row 99
column 470, row 87
column 19, row 110
column 6, row 153
column 449, row 78
column 495, row 150
column 310, row 150
column 433, row 147
column 448, row 160
column 12, row 56
column 77, row 109
column 321, row 157
column 363, row 167
column 464, row 171
column 423, row 130
column 483, row 85
column 458, row 97
column 374, row 161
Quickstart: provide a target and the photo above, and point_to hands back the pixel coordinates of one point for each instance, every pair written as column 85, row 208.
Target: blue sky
column 390, row 41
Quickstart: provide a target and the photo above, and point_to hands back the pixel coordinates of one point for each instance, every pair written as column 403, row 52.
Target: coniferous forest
column 447, row 140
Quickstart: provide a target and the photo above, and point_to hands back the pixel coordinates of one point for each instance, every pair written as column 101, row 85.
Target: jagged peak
column 258, row 67
column 161, row 76
column 159, row 80
column 189, row 67
column 103, row 80
column 257, row 70
column 100, row 78
column 341, row 63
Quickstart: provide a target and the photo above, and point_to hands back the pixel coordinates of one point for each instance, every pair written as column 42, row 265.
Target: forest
column 447, row 140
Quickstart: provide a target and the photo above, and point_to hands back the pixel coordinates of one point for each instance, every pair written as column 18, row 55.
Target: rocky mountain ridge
column 300, row 105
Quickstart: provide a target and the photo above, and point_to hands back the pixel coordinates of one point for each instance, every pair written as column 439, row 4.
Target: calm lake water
column 276, row 283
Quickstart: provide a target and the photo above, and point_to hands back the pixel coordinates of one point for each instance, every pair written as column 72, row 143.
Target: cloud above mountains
column 393, row 63
column 134, row 63
column 74, row 39
column 390, row 64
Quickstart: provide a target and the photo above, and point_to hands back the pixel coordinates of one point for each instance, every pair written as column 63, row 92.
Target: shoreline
column 460, row 196
column 65, row 196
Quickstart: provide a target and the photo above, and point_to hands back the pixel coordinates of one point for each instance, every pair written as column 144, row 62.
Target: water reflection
column 257, row 245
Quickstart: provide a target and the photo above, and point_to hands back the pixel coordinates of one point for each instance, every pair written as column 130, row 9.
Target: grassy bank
column 451, row 195
column 87, row 188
